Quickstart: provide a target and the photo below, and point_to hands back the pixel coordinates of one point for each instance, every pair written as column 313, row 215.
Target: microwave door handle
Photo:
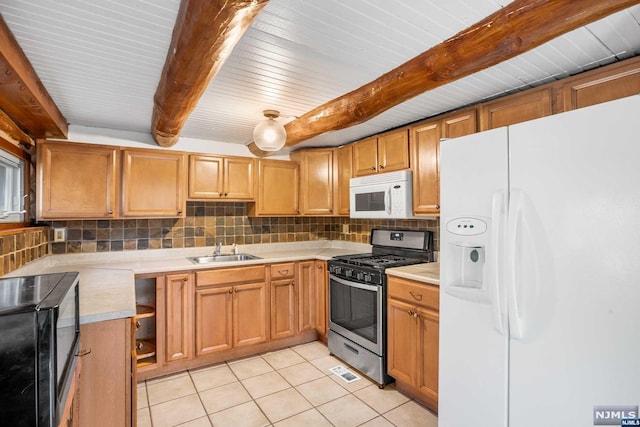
column 387, row 200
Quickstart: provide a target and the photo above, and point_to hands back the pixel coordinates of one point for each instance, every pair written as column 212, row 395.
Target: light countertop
column 107, row 280
column 428, row 273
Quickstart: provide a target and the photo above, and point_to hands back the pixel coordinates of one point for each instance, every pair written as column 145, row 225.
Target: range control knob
column 360, row 275
column 348, row 272
column 367, row 277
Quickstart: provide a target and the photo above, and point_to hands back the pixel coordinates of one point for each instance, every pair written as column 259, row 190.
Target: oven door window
column 355, row 309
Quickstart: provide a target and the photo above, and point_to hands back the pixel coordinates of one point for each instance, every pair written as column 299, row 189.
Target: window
column 12, row 185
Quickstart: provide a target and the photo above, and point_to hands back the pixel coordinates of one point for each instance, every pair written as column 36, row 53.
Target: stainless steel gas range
column 357, row 298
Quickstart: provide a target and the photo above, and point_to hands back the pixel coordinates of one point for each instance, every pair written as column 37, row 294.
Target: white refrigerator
column 540, row 271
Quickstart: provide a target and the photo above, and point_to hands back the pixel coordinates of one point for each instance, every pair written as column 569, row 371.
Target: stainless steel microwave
column 39, row 341
column 384, row 195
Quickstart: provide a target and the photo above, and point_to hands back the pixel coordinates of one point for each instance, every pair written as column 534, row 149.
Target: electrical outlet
column 345, row 228
column 60, row 234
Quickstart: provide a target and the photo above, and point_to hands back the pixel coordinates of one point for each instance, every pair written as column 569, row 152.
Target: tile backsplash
column 205, row 224
column 21, row 246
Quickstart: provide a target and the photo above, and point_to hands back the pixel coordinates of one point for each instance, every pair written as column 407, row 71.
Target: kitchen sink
column 221, row 258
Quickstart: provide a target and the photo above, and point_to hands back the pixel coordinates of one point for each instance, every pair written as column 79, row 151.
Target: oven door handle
column 353, row 284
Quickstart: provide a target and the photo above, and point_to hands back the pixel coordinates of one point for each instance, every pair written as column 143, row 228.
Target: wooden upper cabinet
column 602, row 85
column 76, row 181
column 365, row 157
column 221, row 178
column 425, row 156
column 277, row 188
column 343, row 157
column 153, row 183
column 386, row 153
column 425, row 149
column 393, row 151
column 517, row 108
column 316, row 181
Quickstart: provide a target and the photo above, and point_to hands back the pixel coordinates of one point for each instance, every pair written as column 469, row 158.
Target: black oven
column 39, row 341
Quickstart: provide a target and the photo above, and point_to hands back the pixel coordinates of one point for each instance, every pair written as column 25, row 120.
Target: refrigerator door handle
column 498, row 300
column 515, row 298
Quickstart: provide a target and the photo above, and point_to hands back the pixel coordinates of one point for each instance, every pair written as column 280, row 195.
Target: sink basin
column 221, row 258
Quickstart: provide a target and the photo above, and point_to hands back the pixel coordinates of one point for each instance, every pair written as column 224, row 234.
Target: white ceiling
column 101, row 60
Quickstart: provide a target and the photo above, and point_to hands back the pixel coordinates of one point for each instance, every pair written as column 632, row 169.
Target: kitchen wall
column 207, row 223
column 204, row 225
column 19, row 247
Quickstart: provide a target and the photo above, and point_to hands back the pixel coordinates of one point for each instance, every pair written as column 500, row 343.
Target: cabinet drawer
column 413, row 292
column 282, row 271
column 230, row 275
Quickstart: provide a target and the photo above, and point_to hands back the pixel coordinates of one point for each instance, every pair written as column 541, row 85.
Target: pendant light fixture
column 269, row 135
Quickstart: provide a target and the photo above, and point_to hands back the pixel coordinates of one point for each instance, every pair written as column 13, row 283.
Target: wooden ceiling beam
column 204, row 35
column 23, row 97
column 11, row 132
column 514, row 29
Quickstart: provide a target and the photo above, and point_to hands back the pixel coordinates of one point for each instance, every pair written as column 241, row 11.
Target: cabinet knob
column 110, row 212
column 226, row 194
column 381, row 166
column 185, row 279
column 437, row 206
column 138, row 324
column 230, row 291
column 410, row 313
column 180, row 212
column 373, row 168
column 283, row 272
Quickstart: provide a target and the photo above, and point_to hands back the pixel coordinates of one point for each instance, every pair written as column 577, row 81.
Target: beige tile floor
column 290, row 387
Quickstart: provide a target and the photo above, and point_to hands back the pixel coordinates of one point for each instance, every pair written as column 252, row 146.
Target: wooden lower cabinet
column 214, row 320
column 107, row 389
column 412, row 338
column 250, row 318
column 306, row 288
column 231, row 309
column 178, row 317
column 322, row 299
column 282, row 279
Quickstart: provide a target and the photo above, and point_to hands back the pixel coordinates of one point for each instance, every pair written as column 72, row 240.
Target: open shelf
column 143, row 310
column 144, row 349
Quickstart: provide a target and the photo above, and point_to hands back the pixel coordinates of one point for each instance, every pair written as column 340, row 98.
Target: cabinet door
column 322, row 307
column 283, row 308
column 515, row 109
column 205, row 177
column 401, row 341
column 250, row 318
column 365, row 157
column 239, row 178
column 460, row 124
column 428, row 333
column 344, row 161
column 425, row 144
column 393, row 151
column 153, row 183
column 316, row 182
column 602, row 85
column 178, row 317
column 214, row 320
column 106, row 376
column 277, row 188
column 76, row 181
column 306, row 296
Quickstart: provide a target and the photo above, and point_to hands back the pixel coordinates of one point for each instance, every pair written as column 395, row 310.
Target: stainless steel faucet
column 218, row 248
